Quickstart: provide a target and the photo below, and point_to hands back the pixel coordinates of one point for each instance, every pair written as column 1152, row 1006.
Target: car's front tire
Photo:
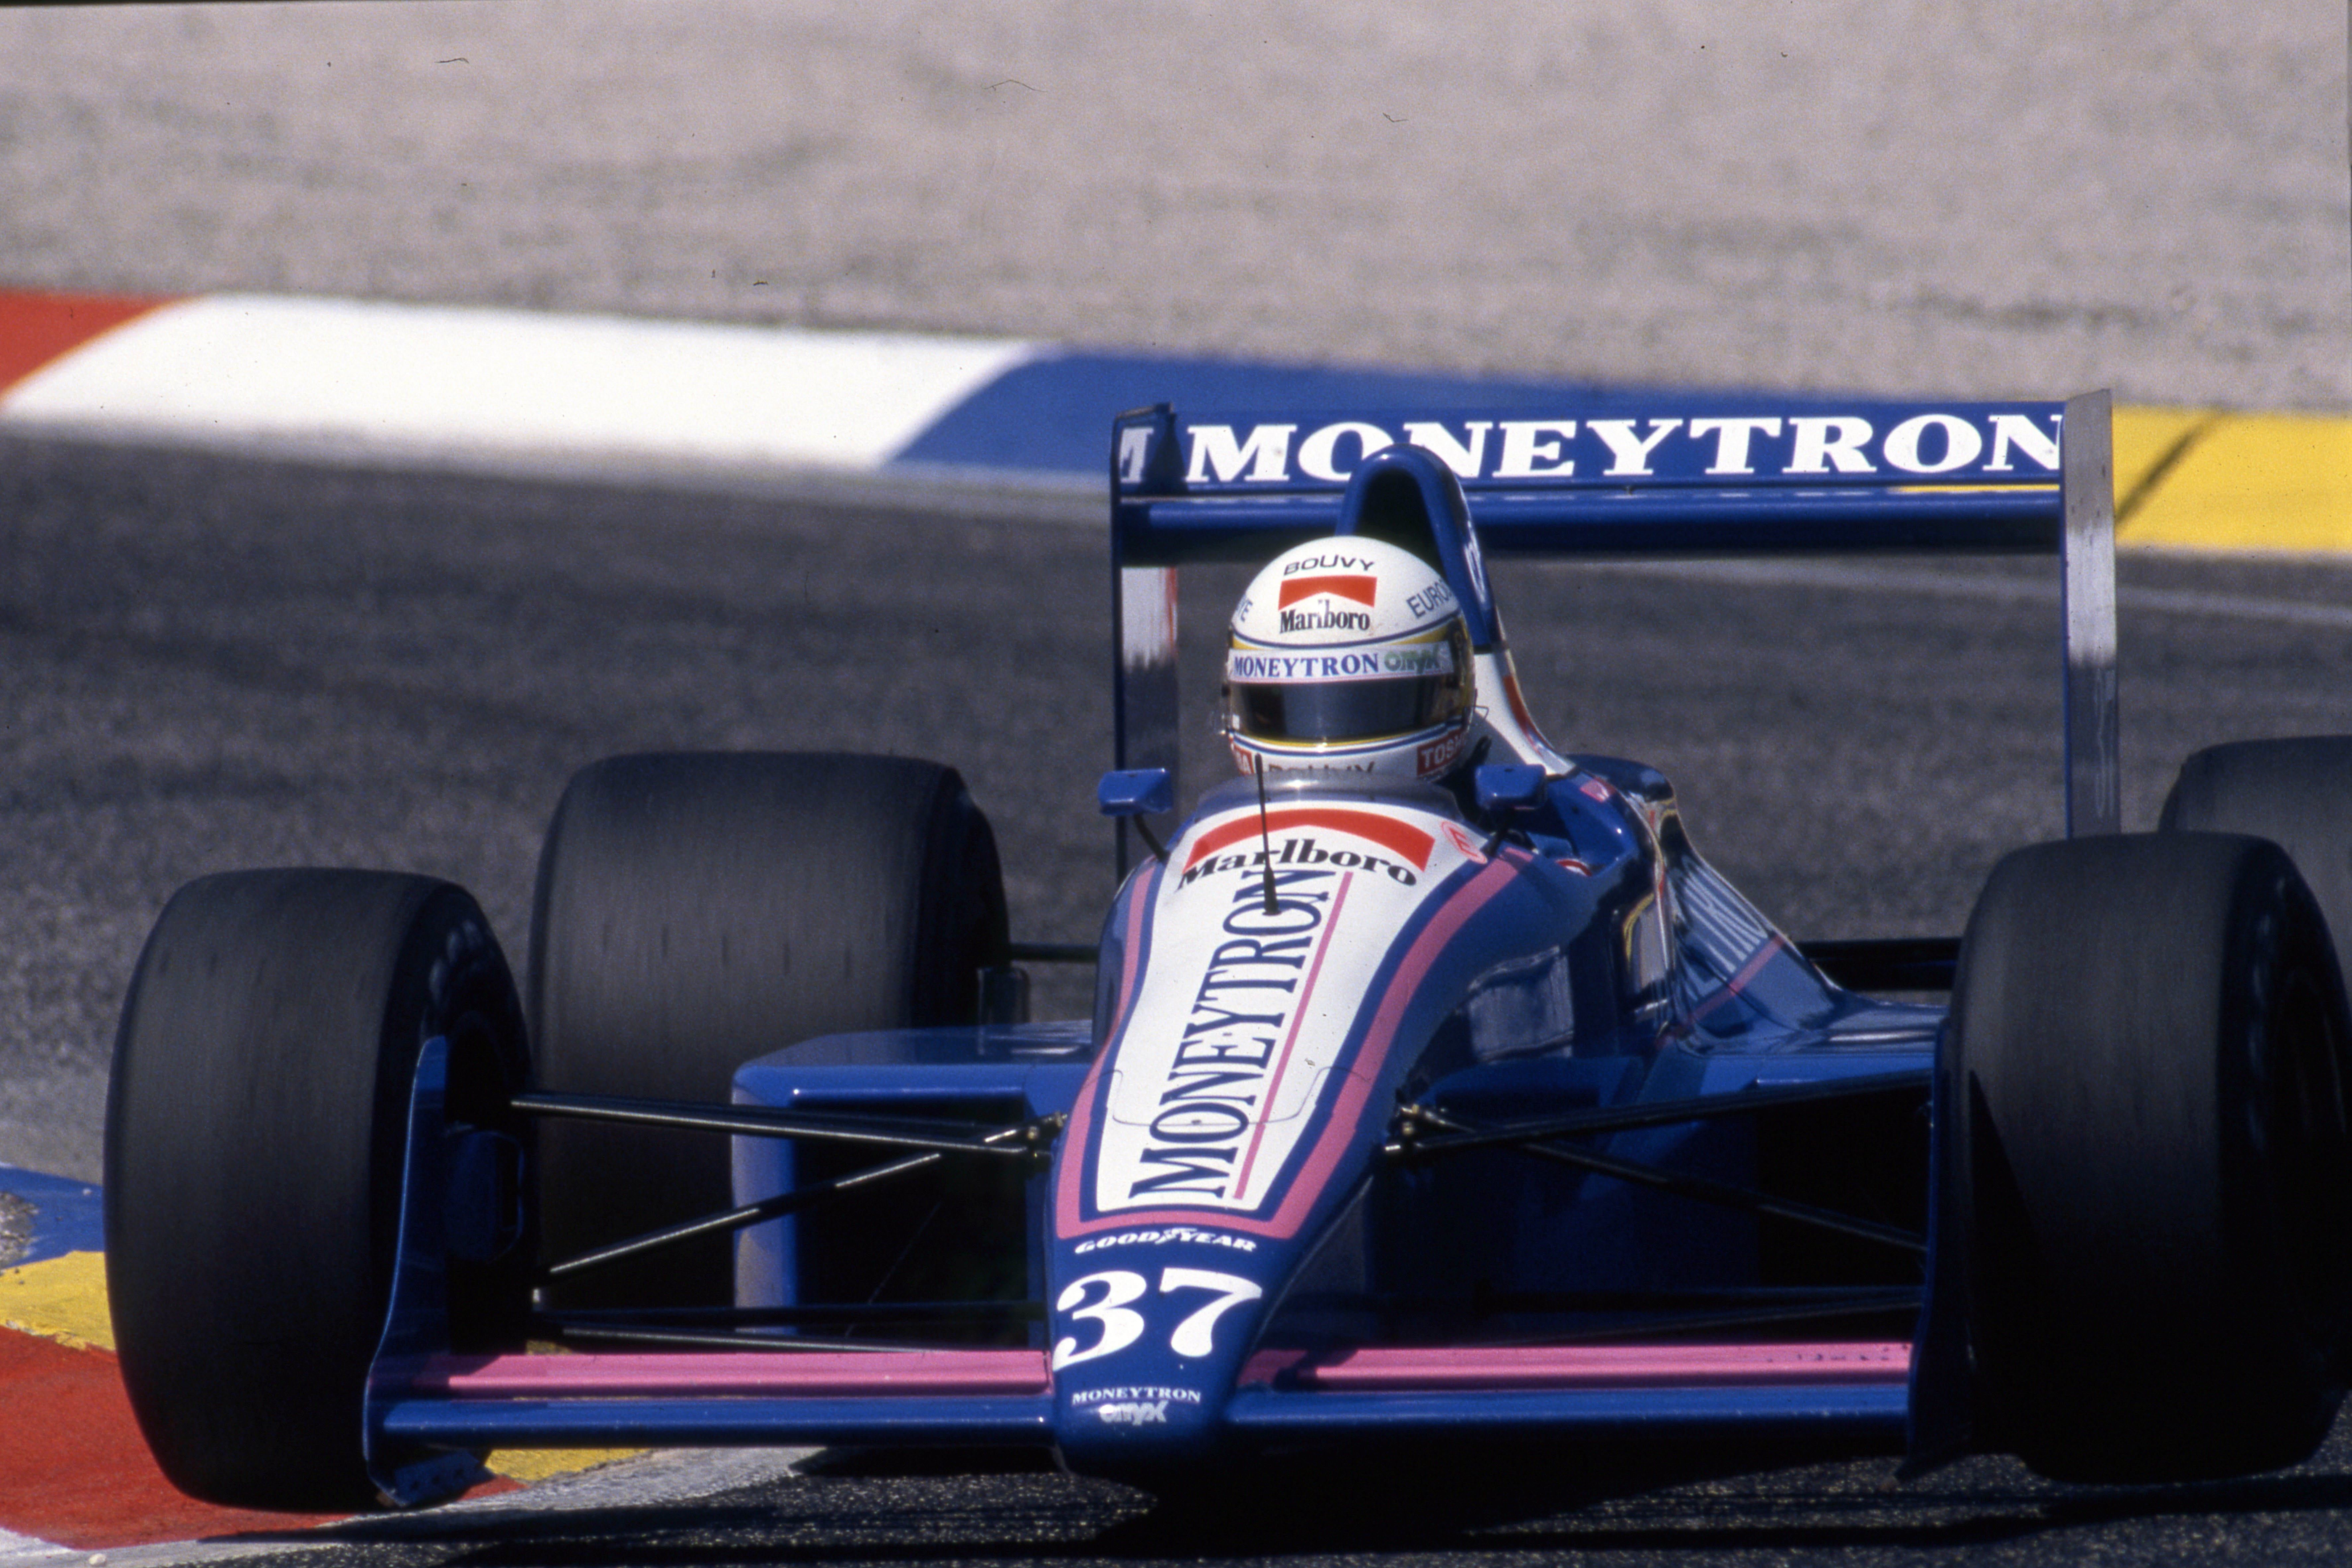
column 2147, row 1068
column 257, row 1128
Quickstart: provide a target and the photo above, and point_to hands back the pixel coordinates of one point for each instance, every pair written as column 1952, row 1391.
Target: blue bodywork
column 1309, row 1191
column 1540, row 1006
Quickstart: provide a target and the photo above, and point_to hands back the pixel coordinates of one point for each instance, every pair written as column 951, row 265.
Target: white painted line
column 663, row 1475
column 374, row 380
column 168, row 1554
column 16, row 1548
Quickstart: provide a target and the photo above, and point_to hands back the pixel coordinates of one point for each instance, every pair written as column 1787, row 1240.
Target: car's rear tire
column 2298, row 793
column 257, row 1126
column 2147, row 1061
column 697, row 910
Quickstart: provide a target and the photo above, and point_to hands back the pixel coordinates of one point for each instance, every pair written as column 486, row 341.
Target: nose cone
column 1146, row 1357
column 1284, row 972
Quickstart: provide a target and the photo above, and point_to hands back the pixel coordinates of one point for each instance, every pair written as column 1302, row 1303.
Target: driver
column 1350, row 655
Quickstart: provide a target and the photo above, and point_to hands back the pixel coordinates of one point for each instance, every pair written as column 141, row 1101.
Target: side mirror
column 1506, row 787
column 1137, row 792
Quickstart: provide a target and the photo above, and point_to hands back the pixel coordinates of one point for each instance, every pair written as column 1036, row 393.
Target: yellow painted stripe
column 545, row 1464
column 2142, row 438
column 2235, row 481
column 542, row 1464
column 59, row 1299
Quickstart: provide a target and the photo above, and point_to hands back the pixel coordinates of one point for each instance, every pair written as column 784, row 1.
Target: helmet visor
column 1342, row 709
column 1348, row 693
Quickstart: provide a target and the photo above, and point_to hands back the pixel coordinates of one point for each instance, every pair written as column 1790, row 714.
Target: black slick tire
column 256, row 1131
column 697, row 910
column 2147, row 1062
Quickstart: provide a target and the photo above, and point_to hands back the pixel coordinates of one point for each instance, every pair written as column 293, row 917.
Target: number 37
column 1122, row 1325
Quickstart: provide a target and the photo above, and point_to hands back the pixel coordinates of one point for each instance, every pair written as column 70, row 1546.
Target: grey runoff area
column 2001, row 198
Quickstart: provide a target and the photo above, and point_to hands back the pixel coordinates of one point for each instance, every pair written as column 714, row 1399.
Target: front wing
column 425, row 1403
column 1856, row 1391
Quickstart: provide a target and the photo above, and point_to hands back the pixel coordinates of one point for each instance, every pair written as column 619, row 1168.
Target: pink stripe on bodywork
column 1738, row 982
column 1298, row 1025
column 1339, row 1129
column 1340, row 1123
column 1365, row 1370
column 1392, row 1369
column 829, row 1373
column 1071, row 1156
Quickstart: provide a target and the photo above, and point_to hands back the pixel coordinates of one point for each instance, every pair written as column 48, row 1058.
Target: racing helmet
column 1348, row 654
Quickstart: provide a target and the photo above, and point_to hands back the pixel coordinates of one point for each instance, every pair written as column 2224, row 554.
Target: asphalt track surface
column 855, row 1511
column 215, row 663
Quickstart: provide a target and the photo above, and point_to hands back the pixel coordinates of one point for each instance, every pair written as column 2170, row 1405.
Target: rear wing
column 1943, row 478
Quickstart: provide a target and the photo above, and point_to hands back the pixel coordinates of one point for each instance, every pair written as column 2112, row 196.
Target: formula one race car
column 1409, row 1112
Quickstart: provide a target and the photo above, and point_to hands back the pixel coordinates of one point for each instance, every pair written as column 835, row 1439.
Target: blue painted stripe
column 1864, row 1412
column 66, row 1215
column 1053, row 414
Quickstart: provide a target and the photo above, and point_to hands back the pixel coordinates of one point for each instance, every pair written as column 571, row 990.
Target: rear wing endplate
column 1943, row 478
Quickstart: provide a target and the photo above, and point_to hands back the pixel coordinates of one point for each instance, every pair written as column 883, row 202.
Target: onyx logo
column 1424, row 658
column 1134, row 1413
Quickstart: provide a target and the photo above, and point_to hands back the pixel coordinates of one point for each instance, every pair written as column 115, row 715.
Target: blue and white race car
column 1413, row 1110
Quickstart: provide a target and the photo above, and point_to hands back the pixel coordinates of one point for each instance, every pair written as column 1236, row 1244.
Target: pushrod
column 744, row 1341
column 1657, row 1114
column 759, row 1121
column 781, row 1204
column 768, row 1208
column 778, row 1317
column 1706, row 1189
